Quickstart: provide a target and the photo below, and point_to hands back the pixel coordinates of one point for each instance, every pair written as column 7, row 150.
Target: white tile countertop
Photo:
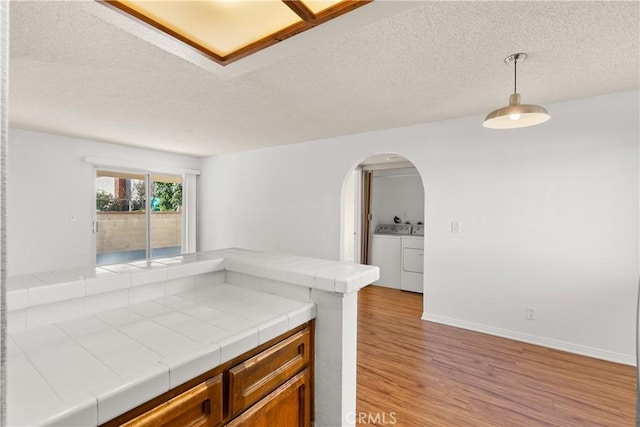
column 87, row 370
column 27, row 292
column 331, row 276
column 88, row 344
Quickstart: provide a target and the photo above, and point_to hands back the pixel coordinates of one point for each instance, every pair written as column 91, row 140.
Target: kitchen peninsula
column 89, row 345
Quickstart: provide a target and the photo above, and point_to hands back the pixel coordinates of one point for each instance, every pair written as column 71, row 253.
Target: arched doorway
column 383, row 211
column 384, row 191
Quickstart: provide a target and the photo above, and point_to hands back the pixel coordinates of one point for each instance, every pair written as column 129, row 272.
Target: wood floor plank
column 417, row 373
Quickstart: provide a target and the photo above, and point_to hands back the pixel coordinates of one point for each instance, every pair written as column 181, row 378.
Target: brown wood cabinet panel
column 200, row 406
column 284, row 363
column 259, row 375
column 287, row 406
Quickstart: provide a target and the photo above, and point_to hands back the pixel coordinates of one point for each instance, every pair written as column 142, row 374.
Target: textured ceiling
column 77, row 69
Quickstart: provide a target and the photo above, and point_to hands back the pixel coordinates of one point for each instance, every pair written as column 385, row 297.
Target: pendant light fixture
column 516, row 115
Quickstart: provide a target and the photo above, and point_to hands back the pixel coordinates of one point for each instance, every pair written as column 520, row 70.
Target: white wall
column 49, row 182
column 397, row 192
column 349, row 213
column 549, row 217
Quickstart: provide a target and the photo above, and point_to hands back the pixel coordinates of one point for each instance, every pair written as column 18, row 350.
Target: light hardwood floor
column 418, row 373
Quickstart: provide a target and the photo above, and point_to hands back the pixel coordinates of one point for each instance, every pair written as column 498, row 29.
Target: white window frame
column 189, row 195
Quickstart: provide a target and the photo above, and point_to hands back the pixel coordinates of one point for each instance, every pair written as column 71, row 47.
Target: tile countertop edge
column 30, row 290
column 346, row 277
column 343, row 277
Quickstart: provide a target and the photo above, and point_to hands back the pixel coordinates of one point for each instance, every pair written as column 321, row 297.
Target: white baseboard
column 626, row 359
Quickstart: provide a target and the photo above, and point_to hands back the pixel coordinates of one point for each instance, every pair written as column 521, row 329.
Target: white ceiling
column 78, row 68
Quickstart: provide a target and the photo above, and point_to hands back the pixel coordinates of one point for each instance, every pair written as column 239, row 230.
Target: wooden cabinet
column 200, row 406
column 271, row 385
column 287, row 406
column 253, row 379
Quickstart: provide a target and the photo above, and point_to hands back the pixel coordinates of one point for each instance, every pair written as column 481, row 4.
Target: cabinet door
column 200, row 406
column 256, row 377
column 287, row 406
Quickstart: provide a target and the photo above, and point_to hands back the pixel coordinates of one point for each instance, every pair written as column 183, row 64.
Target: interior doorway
column 383, row 220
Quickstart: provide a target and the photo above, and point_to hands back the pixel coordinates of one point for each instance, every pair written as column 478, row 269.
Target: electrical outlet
column 531, row 313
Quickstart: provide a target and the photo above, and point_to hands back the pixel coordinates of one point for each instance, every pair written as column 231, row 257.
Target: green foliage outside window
column 105, row 202
column 167, row 197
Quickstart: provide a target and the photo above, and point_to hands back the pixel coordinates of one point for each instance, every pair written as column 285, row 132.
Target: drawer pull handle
column 206, row 407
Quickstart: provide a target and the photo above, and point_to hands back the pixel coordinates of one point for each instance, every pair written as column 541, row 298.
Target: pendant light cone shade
column 516, row 115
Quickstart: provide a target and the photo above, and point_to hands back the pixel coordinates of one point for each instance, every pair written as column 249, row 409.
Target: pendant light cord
column 515, row 76
column 4, row 142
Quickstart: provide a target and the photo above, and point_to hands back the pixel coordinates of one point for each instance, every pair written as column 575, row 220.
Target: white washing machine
column 386, row 253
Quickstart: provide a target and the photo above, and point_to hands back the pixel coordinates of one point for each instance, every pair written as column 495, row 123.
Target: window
column 131, row 226
column 166, row 215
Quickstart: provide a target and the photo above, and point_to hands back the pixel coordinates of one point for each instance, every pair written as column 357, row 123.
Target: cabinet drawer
column 200, row 406
column 288, row 406
column 261, row 374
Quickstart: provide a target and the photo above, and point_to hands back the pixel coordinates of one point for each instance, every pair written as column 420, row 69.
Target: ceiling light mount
column 516, row 115
column 515, row 58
